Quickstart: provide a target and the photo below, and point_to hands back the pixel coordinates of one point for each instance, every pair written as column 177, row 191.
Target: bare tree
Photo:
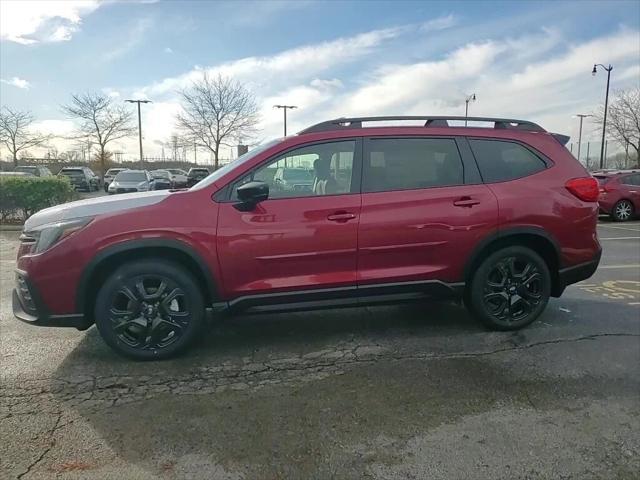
column 217, row 111
column 101, row 122
column 623, row 118
column 16, row 132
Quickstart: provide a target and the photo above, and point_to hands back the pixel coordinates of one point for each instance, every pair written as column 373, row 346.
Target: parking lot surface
column 396, row 392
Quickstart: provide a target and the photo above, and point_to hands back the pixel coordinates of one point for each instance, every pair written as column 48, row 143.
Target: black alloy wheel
column 511, row 288
column 149, row 309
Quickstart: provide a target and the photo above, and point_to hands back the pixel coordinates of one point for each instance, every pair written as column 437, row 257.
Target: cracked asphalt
column 395, row 392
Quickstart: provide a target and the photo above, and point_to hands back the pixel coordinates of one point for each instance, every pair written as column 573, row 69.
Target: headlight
column 112, row 186
column 142, row 186
column 46, row 236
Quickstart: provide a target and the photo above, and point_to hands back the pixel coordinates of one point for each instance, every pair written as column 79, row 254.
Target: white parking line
column 619, row 228
column 620, row 238
column 609, row 267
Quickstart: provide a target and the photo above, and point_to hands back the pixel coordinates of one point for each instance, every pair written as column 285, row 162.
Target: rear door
column 631, row 187
column 424, row 209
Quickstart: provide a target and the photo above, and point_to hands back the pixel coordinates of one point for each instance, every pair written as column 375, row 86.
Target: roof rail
column 430, row 121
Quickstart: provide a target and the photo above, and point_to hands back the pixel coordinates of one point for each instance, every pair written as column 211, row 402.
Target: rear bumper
column 29, row 308
column 577, row 273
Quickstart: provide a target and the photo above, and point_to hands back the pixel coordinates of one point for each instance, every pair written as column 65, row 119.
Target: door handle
column 466, row 202
column 341, row 217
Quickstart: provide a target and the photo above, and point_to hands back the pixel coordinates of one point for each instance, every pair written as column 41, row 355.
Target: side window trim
column 356, row 172
column 367, row 150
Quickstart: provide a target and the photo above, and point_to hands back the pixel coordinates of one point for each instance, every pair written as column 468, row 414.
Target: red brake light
column 586, row 189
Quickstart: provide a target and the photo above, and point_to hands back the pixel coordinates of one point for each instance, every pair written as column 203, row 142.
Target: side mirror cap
column 252, row 193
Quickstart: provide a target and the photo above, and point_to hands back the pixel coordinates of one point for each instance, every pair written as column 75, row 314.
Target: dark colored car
column 293, row 179
column 501, row 217
column 81, row 178
column 110, row 175
column 35, row 170
column 162, row 179
column 619, row 194
column 195, row 175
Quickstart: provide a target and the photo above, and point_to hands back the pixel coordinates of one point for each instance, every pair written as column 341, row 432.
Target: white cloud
column 54, row 127
column 168, row 50
column 17, row 82
column 297, row 63
column 32, row 21
column 439, row 23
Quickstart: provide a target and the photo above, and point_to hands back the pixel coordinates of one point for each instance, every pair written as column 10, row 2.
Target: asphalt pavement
column 397, row 392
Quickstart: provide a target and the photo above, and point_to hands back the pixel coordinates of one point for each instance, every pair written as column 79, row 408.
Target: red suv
column 503, row 217
column 619, row 193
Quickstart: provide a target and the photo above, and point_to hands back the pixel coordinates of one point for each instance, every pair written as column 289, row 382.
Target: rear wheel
column 510, row 289
column 622, row 211
column 149, row 309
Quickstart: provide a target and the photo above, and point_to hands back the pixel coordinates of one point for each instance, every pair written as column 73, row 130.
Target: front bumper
column 29, row 308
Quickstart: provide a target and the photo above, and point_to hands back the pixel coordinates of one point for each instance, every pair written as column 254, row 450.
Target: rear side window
column 500, row 161
column 411, row 163
column 632, row 179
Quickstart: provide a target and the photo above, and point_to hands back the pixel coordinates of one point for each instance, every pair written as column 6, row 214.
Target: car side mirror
column 250, row 194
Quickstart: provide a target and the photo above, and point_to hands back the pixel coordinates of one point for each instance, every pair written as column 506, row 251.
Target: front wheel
column 622, row 211
column 149, row 309
column 510, row 289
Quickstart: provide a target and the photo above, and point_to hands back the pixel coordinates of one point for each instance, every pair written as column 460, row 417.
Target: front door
column 420, row 218
column 304, row 236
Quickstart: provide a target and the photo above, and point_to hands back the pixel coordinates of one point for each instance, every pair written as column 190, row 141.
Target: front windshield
column 205, row 182
column 131, row 177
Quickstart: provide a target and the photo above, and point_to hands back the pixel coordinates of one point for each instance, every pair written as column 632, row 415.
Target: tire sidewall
column 476, row 292
column 141, row 267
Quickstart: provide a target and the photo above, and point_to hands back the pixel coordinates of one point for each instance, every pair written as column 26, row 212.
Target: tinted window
column 411, row 163
column 322, row 169
column 501, row 161
column 632, row 180
column 602, row 179
column 72, row 172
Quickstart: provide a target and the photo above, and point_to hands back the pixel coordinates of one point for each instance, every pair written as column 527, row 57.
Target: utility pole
column 139, row 128
column 285, row 108
column 581, row 116
column 606, row 104
column 470, row 98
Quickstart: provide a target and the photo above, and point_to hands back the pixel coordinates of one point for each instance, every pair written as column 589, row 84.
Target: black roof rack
column 430, row 121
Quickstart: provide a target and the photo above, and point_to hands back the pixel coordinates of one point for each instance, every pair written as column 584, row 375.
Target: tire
column 622, row 211
column 174, row 315
column 501, row 298
column 106, row 188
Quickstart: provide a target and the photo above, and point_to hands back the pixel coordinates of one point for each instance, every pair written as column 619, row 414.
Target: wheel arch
column 105, row 262
column 537, row 239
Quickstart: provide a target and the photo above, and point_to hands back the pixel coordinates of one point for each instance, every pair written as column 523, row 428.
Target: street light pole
column 606, row 104
column 470, row 98
column 582, row 116
column 139, row 128
column 285, row 108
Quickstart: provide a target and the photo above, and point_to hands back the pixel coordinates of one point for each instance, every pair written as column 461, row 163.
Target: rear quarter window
column 500, row 161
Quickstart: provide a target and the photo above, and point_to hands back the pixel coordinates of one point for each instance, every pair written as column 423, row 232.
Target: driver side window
column 313, row 170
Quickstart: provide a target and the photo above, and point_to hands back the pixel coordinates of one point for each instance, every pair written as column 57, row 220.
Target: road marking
column 620, row 228
column 619, row 238
column 634, row 303
column 609, row 267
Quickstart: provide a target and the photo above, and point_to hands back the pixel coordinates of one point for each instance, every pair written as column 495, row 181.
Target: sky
column 527, row 59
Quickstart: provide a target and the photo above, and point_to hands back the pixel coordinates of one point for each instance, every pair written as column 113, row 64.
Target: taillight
column 586, row 189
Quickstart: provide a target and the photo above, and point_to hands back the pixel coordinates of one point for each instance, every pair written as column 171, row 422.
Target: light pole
column 139, row 128
column 285, row 108
column 606, row 104
column 470, row 98
column 581, row 116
